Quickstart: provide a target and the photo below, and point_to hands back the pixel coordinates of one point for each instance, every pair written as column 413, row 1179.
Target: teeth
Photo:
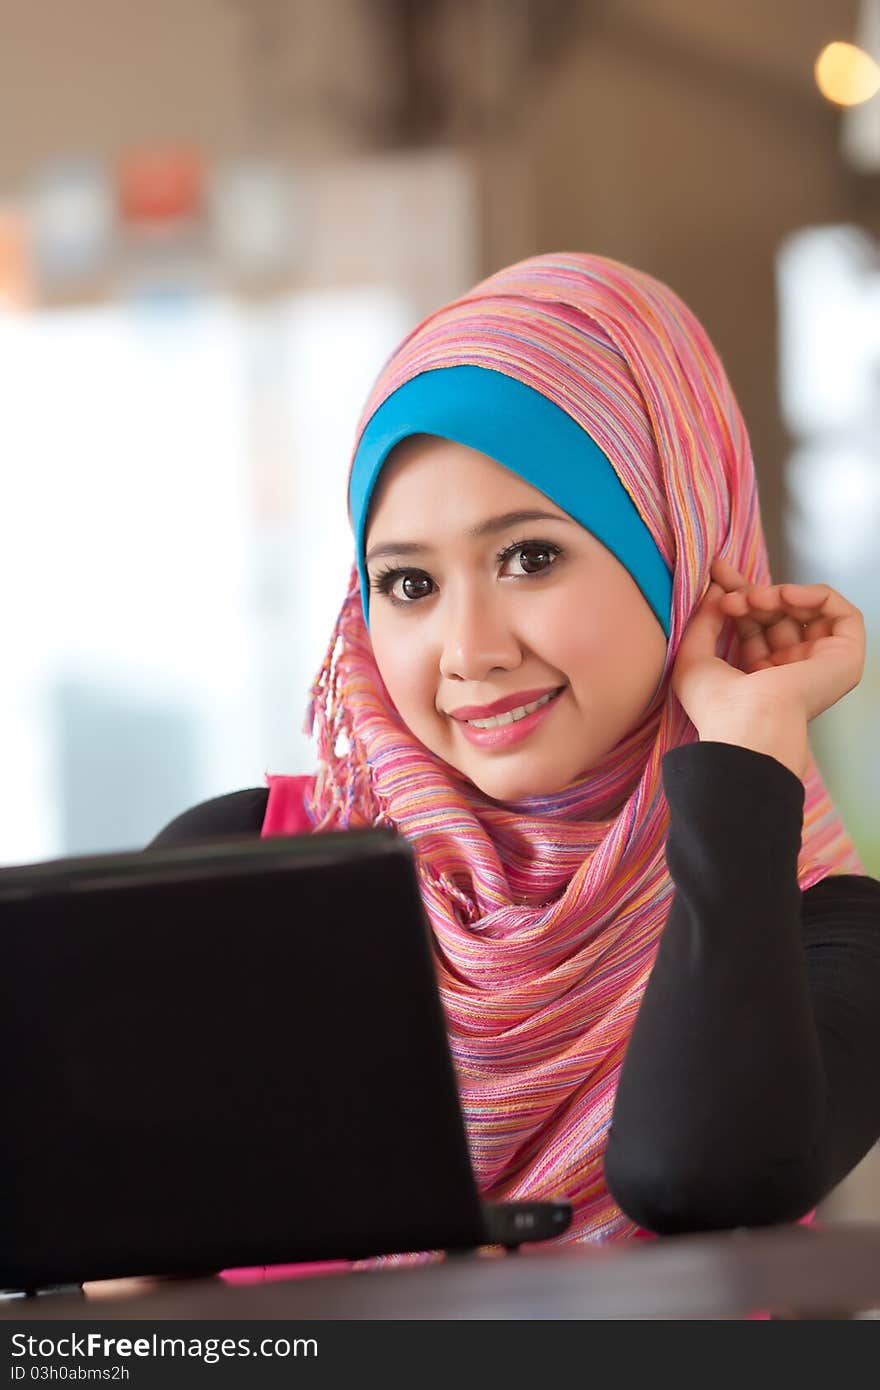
column 499, row 720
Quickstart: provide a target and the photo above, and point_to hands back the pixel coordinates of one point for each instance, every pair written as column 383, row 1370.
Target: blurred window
column 828, row 282
column 173, row 549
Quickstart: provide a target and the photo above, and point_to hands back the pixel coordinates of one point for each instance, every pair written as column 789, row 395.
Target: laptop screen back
column 224, row 1056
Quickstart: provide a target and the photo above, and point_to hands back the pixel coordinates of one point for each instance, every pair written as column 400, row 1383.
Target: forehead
column 425, row 477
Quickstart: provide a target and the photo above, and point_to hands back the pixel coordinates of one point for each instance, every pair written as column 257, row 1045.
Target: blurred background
column 217, row 218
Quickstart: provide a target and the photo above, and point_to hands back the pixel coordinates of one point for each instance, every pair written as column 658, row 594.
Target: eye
column 543, row 554
column 540, row 548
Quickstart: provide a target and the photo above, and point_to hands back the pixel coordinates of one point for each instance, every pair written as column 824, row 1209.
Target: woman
column 656, row 946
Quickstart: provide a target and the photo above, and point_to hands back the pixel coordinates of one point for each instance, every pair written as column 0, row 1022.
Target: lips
column 509, row 702
column 498, row 738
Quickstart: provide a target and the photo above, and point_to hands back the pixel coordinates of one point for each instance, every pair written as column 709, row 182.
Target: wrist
column 782, row 736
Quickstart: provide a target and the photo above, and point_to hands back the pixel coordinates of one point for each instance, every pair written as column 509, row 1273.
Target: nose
column 477, row 636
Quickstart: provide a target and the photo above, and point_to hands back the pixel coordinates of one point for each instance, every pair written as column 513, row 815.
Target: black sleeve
column 237, row 813
column 749, row 1086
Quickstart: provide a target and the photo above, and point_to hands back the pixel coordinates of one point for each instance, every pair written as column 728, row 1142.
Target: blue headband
column 526, row 433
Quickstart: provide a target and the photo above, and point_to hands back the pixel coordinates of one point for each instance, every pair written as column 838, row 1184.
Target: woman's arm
column 236, row 813
column 749, row 1087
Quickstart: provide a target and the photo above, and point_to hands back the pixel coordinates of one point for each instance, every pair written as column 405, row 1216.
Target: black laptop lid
column 228, row 1055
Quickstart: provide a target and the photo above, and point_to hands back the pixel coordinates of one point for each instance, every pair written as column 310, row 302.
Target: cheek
column 400, row 670
column 573, row 644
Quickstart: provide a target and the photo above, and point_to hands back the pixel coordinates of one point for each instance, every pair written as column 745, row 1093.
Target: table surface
column 790, row 1271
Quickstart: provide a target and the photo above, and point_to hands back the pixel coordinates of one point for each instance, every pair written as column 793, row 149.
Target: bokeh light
column 846, row 74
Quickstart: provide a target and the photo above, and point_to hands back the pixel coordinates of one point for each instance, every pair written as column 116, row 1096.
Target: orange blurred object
column 16, row 280
column 161, row 185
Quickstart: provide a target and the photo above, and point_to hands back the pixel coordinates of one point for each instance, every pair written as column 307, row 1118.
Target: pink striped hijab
column 546, row 914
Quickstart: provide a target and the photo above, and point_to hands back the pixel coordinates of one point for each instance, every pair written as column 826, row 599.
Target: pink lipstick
column 503, row 736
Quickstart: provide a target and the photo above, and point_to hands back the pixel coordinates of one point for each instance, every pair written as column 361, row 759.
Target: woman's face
column 458, row 626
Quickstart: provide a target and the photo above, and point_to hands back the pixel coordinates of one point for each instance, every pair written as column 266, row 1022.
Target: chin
column 510, row 783
column 517, row 786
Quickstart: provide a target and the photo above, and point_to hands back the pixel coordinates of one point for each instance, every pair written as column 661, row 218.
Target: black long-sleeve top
column 751, row 1082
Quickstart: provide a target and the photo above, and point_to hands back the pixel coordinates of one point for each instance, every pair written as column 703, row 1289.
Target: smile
column 511, row 727
column 496, row 721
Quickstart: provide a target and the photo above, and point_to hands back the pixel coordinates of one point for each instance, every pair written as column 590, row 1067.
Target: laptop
column 227, row 1055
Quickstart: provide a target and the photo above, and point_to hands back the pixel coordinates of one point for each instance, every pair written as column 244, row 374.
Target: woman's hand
column 135, row 1284
column 802, row 647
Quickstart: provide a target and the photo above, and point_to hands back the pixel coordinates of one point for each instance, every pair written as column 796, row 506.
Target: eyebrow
column 483, row 528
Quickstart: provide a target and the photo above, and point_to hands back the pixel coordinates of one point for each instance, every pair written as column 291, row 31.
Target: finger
column 736, row 603
column 760, row 623
column 723, row 569
column 797, row 599
column 728, row 576
column 705, row 624
column 783, row 641
column 119, row 1288
column 761, row 649
column 769, row 603
column 785, row 618
column 801, row 603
